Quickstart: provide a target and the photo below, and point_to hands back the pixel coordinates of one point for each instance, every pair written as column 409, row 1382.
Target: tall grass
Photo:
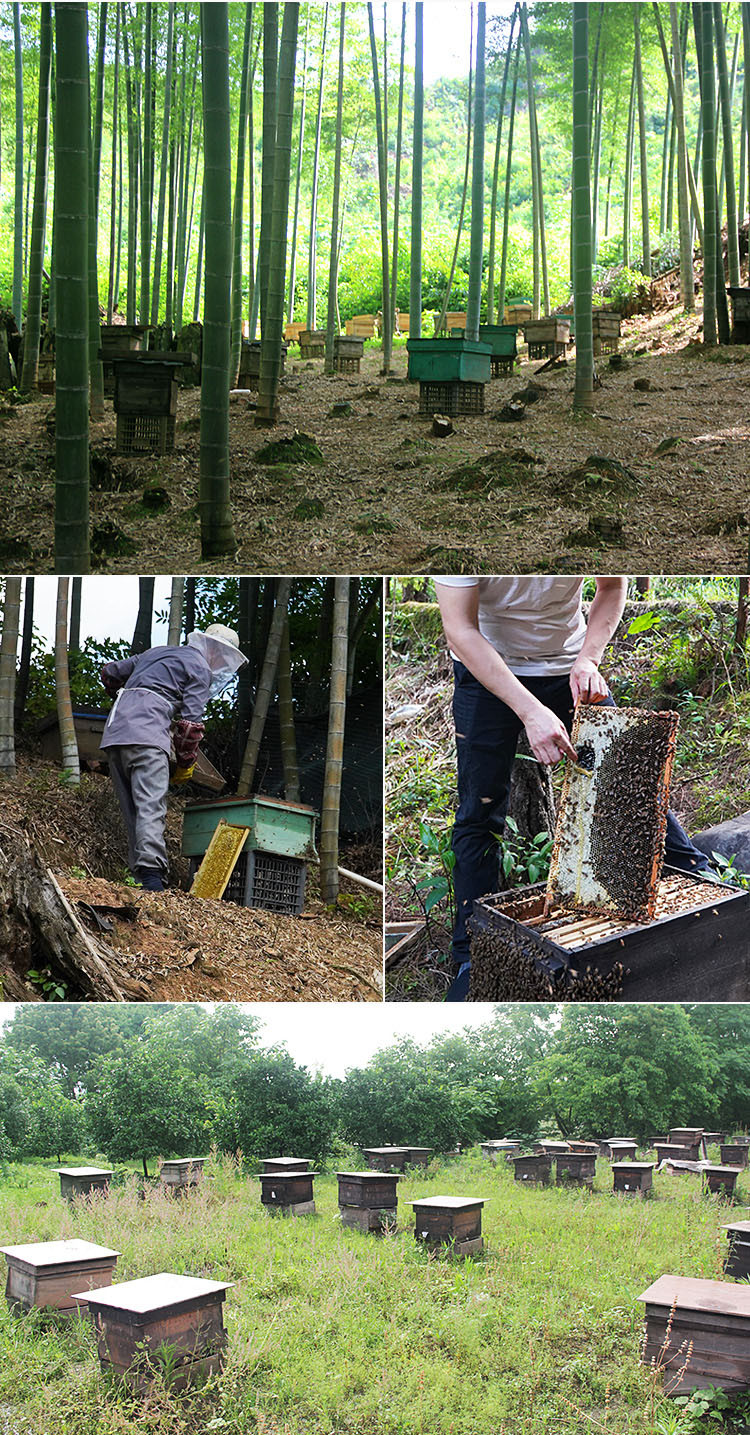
column 332, row 1332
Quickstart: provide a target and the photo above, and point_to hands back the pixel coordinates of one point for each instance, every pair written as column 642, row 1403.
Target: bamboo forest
column 374, row 288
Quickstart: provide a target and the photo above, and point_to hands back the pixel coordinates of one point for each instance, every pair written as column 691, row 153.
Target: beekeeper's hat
column 220, row 646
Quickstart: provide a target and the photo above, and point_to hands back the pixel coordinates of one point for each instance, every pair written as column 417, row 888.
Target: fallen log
column 39, row 927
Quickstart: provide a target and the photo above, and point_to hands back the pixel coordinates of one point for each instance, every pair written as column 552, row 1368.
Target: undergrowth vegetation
column 332, row 1332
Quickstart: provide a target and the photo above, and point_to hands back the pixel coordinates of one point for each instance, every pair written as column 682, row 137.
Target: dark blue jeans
column 487, row 732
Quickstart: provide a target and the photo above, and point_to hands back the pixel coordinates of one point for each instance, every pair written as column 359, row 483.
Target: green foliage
column 437, row 887
column 85, row 683
column 524, row 860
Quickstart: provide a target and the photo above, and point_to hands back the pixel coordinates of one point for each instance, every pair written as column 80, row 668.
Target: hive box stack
column 182, row 1174
column 534, row 1169
column 368, row 1199
column 289, row 1193
column 83, row 1181
column 453, row 1223
column 386, row 1158
column 737, row 1261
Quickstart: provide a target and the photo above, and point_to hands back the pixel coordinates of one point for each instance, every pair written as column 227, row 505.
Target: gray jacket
column 161, row 685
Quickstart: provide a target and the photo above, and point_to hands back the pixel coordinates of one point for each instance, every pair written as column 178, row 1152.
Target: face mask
column 223, row 659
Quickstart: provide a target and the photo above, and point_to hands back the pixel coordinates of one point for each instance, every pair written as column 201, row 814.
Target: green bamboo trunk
column 17, row 301
column 264, row 690
column 627, row 199
column 8, row 648
column 704, row 27
column 237, row 217
column 272, row 334
column 496, row 176
column 383, row 197
column 687, row 293
column 70, row 762
column 71, row 222
column 582, row 282
column 298, row 178
column 312, row 253
column 176, row 601
column 415, row 261
column 115, row 190
column 270, row 82
column 333, row 260
column 159, row 239
column 287, row 734
column 217, row 533
column 476, row 249
column 643, row 156
column 508, row 177
column 733, row 248
column 330, row 814
column 397, row 173
column 39, row 213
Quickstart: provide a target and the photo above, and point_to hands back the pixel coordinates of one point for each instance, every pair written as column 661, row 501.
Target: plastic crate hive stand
column 271, row 870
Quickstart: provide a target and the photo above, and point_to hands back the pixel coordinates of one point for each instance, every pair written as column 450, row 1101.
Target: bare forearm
column 604, row 615
column 489, row 669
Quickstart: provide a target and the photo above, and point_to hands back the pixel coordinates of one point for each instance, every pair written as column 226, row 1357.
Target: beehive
column 386, row 1158
column 687, row 1135
column 547, row 337
column 77, row 1181
column 117, row 341
column 584, row 1148
column 285, row 1163
column 368, row 1200
column 502, row 339
column 671, row 1151
column 618, row 1150
column 740, row 300
column 138, row 1321
column 734, row 1154
column 271, row 869
column 418, row 1155
column 551, row 1148
column 347, row 354
column 312, row 343
column 609, row 836
column 492, row 1149
column 447, row 361
column 697, row 1332
column 720, row 1180
column 737, row 1260
column 145, row 401
column 632, row 1178
column 452, row 1222
column 454, row 319
column 289, row 1193
column 606, row 331
column 47, row 1273
column 694, row 948
column 181, row 1174
column 534, row 1169
column 575, row 1169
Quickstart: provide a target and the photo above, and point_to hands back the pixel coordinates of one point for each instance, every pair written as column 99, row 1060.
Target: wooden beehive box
column 362, row 326
column 534, row 1169
column 368, row 1199
column 720, row 1180
column 734, row 1154
column 714, row 1138
column 694, row 949
column 686, row 1135
column 621, row 1150
column 698, row 1334
column 180, row 1174
column 518, row 311
column 584, row 1148
column 737, row 1260
column 386, row 1158
column 740, row 301
column 575, row 1169
column 83, row 1181
column 606, row 329
column 47, row 1273
column 418, row 1155
column 285, row 1163
column 454, row 1222
column 547, row 336
column 290, row 1192
column 551, row 1148
column 671, row 1151
column 312, row 343
column 293, row 331
column 147, row 384
column 492, row 1149
column 136, row 1321
column 633, row 1178
column 454, row 319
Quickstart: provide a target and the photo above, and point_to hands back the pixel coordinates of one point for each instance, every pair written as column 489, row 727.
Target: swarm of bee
column 506, row 966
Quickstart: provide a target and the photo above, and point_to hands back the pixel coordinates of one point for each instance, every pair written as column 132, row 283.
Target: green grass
column 332, row 1332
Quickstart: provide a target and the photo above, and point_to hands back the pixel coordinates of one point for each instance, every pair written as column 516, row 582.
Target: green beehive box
column 286, row 829
column 447, row 361
column 501, row 339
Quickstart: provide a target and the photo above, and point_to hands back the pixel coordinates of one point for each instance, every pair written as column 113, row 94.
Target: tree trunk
column 465, row 190
column 163, row 165
column 272, row 333
column 476, row 247
column 704, row 39
column 217, row 532
column 270, row 82
column 740, row 629
column 330, row 815
column 333, row 260
column 264, row 690
column 24, row 665
column 70, row 763
column 143, row 623
column 33, row 329
column 115, row 190
column 627, row 200
column 286, row 718
column 582, row 281
column 383, row 198
column 687, row 288
column 174, row 632
column 298, row 180
column 397, row 174
column 532, row 798
column 733, row 248
column 71, row 222
column 536, row 160
column 8, row 652
column 415, row 261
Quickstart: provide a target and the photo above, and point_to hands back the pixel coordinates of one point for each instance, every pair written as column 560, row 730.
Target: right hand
column 548, row 737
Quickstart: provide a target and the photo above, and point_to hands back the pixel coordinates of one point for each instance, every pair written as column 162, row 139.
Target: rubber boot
column 150, row 879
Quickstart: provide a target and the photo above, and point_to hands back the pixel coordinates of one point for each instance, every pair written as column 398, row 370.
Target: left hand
column 586, row 682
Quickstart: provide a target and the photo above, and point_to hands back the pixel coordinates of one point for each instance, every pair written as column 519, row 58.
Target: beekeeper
column 523, row 656
column 160, row 699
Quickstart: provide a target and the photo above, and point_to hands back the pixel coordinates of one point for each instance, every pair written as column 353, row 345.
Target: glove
column 187, row 738
column 182, row 774
column 110, row 682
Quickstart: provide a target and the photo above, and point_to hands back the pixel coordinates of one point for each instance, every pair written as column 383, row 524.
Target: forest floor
column 710, row 780
column 391, row 498
column 332, row 1332
column 179, row 948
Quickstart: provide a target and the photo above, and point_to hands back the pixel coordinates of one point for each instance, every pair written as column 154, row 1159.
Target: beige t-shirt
column 535, row 624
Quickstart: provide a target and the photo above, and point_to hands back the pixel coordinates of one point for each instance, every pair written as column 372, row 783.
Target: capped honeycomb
column 219, row 861
column 609, row 838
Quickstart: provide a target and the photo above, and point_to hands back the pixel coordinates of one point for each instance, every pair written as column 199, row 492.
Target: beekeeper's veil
column 220, row 647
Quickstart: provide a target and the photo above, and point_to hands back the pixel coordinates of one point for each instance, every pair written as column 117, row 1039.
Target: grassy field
column 332, row 1332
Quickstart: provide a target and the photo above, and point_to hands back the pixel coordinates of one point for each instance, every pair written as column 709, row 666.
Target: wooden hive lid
column 287, row 1161
column 420, row 1148
column 690, row 1293
column 451, row 1203
column 369, row 1176
column 721, row 1170
column 632, row 1165
column 184, row 1161
column 280, row 1176
column 742, row 1226
column 153, row 1294
column 386, row 1150
column 82, row 1171
column 58, row 1253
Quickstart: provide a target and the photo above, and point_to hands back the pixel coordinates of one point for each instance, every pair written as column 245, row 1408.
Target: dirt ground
column 382, row 507
column 179, row 948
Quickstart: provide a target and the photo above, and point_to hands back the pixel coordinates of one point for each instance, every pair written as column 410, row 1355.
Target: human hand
column 548, row 738
column 586, row 682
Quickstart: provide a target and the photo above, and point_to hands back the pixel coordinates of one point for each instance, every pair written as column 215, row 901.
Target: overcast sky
column 334, row 1036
